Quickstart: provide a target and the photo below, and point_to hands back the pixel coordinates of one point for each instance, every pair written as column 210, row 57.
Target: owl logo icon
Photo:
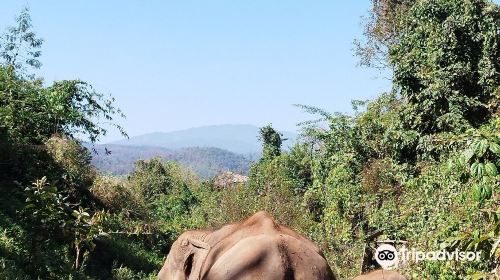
column 387, row 256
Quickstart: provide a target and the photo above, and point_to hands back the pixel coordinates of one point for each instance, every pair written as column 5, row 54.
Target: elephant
column 381, row 274
column 256, row 248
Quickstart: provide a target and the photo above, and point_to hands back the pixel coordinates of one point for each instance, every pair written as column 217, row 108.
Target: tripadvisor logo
column 388, row 257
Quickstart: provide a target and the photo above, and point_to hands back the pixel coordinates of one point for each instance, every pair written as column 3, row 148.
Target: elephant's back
column 268, row 256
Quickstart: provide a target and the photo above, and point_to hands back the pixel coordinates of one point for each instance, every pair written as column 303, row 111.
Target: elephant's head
column 186, row 257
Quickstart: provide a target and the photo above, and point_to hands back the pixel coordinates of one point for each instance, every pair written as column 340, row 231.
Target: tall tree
column 381, row 31
column 271, row 142
column 31, row 112
column 447, row 64
column 19, row 46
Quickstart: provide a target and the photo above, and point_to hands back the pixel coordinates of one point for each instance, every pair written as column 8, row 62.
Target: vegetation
column 206, row 162
column 418, row 164
column 271, row 141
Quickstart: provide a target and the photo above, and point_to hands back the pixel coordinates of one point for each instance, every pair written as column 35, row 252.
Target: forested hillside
column 417, row 164
column 206, row 162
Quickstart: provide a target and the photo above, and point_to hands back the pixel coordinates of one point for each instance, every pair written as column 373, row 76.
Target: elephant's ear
column 196, row 259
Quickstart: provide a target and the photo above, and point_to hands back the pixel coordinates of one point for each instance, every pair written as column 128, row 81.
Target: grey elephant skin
column 256, row 248
column 381, row 275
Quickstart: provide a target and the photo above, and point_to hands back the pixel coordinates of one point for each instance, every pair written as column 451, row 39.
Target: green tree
column 271, row 142
column 381, row 31
column 32, row 113
column 19, row 46
column 446, row 64
column 152, row 178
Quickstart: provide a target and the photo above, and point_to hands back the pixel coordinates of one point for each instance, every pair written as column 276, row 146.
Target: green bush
column 116, row 196
column 124, row 273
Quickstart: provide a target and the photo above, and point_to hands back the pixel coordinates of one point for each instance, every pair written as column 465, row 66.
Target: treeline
column 417, row 164
column 206, row 162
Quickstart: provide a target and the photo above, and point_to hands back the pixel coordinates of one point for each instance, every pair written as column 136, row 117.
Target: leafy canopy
column 33, row 112
column 447, row 64
column 271, row 142
column 19, row 46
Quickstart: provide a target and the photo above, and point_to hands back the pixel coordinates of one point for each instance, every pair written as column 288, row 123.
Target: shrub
column 116, row 196
column 73, row 159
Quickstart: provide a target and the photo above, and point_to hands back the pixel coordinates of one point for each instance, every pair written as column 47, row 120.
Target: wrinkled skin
column 257, row 248
column 381, row 275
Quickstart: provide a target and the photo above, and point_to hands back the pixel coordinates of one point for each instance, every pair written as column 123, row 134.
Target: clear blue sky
column 179, row 64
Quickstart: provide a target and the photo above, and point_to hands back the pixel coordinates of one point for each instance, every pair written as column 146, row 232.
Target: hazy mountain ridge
column 206, row 150
column 240, row 139
column 204, row 161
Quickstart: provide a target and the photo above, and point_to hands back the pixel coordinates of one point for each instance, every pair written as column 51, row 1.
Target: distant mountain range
column 206, row 150
column 240, row 139
column 206, row 162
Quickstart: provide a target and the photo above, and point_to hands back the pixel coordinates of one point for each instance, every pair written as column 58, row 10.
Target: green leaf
column 477, row 169
column 495, row 148
column 480, row 170
column 487, row 192
column 482, row 146
column 477, row 192
column 481, row 192
column 475, row 146
column 474, row 169
column 491, row 169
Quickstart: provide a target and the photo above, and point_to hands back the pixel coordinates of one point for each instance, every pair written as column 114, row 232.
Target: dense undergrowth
column 417, row 165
